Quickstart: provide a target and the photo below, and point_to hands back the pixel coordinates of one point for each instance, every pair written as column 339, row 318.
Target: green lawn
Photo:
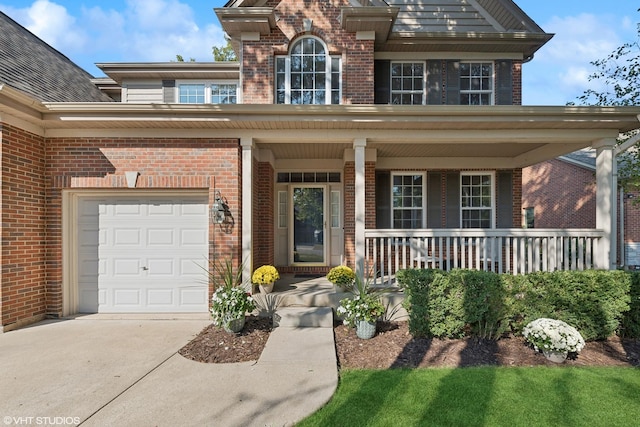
column 540, row 396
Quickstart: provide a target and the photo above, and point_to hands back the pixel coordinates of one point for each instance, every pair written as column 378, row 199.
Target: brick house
column 376, row 134
column 561, row 193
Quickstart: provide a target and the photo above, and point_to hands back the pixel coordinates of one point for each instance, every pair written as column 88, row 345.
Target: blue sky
column 89, row 31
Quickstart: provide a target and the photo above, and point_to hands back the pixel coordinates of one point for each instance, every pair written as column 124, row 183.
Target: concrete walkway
column 95, row 372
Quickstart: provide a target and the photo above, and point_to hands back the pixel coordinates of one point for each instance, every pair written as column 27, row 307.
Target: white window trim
column 328, row 74
column 492, row 92
column 424, row 80
column 424, row 195
column 493, row 197
column 207, row 89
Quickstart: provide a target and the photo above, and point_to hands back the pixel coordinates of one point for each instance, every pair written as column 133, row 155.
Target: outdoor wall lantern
column 220, row 209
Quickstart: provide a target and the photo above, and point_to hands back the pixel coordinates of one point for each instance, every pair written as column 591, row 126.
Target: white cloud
column 582, row 38
column 52, row 23
column 559, row 72
column 146, row 30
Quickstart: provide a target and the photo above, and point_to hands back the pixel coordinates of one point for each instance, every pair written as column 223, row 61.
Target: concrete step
column 303, row 317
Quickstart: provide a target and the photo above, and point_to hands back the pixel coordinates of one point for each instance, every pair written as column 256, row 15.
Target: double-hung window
column 476, row 83
column 407, row 195
column 207, row 92
column 476, row 200
column 308, row 75
column 407, row 83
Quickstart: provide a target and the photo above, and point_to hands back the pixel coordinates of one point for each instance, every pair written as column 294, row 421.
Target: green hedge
column 466, row 302
column 630, row 325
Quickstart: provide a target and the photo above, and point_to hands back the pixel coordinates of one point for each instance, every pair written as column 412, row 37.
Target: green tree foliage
column 619, row 76
column 226, row 53
column 179, row 58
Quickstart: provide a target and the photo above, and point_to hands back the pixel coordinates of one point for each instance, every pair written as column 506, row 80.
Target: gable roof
column 414, row 25
column 32, row 66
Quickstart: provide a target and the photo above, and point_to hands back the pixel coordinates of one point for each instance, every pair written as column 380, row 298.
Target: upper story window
column 207, row 93
column 308, row 75
column 191, row 93
column 407, row 83
column 476, row 83
column 476, row 200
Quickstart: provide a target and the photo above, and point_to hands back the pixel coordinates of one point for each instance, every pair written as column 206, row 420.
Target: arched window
column 308, row 75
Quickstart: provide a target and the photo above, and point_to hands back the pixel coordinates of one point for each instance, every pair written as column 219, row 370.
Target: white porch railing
column 511, row 250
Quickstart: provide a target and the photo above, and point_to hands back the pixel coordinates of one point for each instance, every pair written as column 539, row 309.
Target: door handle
column 145, row 268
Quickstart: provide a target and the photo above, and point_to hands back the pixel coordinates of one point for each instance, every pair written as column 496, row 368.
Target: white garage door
column 142, row 255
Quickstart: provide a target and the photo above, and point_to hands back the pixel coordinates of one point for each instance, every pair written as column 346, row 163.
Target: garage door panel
column 190, row 297
column 125, row 237
column 161, row 267
column 192, row 237
column 124, row 208
column 161, row 237
column 158, row 208
column 193, row 268
column 160, row 297
column 193, row 209
column 125, row 267
column 126, row 297
column 147, row 253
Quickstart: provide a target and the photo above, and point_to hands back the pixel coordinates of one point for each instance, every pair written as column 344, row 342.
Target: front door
column 308, row 226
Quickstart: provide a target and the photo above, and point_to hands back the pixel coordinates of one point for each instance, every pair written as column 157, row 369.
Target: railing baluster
column 514, row 251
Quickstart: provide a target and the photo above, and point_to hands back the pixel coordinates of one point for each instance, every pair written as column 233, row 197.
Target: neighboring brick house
column 369, row 133
column 561, row 193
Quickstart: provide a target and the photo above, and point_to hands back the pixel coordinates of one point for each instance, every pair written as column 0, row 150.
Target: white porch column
column 247, row 207
column 605, row 200
column 359, row 145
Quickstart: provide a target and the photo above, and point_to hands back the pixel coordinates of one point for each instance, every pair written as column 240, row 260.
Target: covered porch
column 443, row 145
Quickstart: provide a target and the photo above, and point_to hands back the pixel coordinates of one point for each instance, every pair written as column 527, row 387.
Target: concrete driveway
column 97, row 371
column 63, row 372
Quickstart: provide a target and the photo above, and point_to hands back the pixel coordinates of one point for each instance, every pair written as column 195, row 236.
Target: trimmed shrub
column 484, row 304
column 454, row 304
column 416, row 284
column 630, row 325
column 592, row 301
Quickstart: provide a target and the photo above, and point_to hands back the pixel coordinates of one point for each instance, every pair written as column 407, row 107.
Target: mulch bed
column 214, row 345
column 394, row 347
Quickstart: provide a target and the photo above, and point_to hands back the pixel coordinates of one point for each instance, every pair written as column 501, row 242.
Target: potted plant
column 230, row 301
column 363, row 309
column 265, row 277
column 342, row 277
column 554, row 338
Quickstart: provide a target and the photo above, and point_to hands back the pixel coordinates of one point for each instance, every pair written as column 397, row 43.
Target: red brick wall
column 632, row 218
column 263, row 214
column 100, row 163
column 517, row 82
column 357, row 55
column 562, row 195
column 349, row 177
column 22, row 290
